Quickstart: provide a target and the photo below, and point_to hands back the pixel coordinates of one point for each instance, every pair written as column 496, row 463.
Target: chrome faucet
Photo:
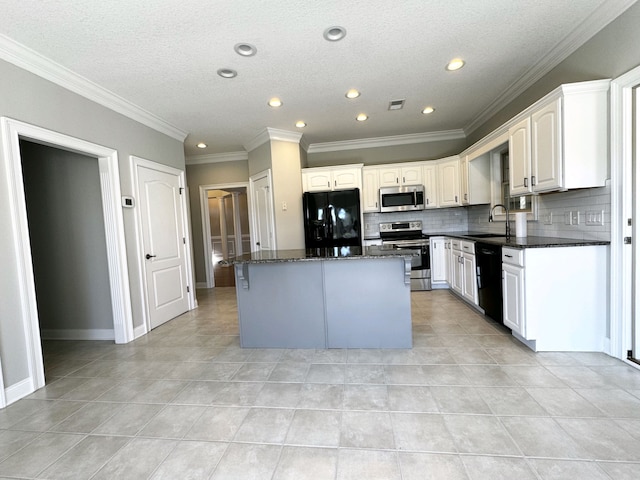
column 507, row 224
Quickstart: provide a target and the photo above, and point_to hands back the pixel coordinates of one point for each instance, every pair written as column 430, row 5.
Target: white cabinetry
column 555, row 299
column 469, row 283
column 463, row 270
column 397, row 175
column 439, row 262
column 475, row 179
column 449, row 182
column 513, row 290
column 560, row 142
column 430, row 176
column 370, row 189
column 332, row 178
column 457, row 268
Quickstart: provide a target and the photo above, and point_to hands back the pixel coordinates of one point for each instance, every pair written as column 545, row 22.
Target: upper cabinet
column 370, row 189
column 449, row 182
column 430, row 176
column 399, row 174
column 332, row 178
column 560, row 142
column 475, row 180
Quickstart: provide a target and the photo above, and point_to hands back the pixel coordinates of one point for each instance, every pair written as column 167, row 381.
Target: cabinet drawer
column 455, row 244
column 513, row 256
column 468, row 247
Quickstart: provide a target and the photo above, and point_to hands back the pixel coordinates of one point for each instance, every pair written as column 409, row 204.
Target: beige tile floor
column 185, row 402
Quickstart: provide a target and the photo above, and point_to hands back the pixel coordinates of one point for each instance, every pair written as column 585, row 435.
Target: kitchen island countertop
column 315, row 254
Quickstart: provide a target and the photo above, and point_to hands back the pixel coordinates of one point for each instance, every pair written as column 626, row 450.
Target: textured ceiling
column 162, row 56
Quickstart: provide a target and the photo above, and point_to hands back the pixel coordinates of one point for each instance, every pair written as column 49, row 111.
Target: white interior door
column 636, row 229
column 163, row 238
column 262, row 212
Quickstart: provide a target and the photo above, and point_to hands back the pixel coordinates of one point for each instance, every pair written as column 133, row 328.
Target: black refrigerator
column 332, row 219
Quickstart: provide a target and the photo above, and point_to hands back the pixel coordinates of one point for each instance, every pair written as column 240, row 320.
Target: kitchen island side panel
column 283, row 306
column 368, row 304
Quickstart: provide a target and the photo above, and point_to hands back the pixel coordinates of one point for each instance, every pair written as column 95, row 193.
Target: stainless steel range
column 408, row 236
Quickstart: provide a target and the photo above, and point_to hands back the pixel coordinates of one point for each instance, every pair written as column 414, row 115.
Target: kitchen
column 482, row 180
column 466, row 402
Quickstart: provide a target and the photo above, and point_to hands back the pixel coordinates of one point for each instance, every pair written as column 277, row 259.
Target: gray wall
column 609, row 54
column 34, row 100
column 68, row 245
column 209, row 174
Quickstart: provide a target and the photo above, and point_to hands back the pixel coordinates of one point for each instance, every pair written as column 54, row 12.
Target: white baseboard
column 139, row 331
column 201, row 285
column 78, row 334
column 18, row 390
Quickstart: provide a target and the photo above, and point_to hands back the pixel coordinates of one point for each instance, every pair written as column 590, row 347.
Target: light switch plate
column 575, row 217
column 594, row 217
column 548, row 218
column 567, row 218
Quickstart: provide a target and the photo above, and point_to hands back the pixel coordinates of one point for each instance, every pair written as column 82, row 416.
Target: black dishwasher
column 489, row 273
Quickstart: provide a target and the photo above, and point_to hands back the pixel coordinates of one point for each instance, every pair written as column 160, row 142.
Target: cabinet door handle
column 456, row 197
column 526, row 182
column 533, row 180
column 328, row 184
column 508, row 256
column 465, row 196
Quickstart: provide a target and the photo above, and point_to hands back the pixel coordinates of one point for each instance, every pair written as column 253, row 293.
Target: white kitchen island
column 325, row 298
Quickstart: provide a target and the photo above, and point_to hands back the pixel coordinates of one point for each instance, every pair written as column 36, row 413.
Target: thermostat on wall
column 128, row 202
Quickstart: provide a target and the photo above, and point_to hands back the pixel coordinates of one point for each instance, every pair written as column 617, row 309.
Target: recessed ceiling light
column 428, row 110
column 201, row 145
column 455, row 64
column 361, row 117
column 353, row 93
column 245, row 49
column 275, row 102
column 227, row 73
column 333, row 34
column 300, row 124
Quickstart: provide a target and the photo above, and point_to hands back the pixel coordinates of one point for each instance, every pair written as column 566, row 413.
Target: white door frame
column 206, row 222
column 254, row 226
column 621, row 293
column 12, row 131
column 136, row 162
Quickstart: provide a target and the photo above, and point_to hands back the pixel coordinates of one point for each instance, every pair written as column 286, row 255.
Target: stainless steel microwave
column 402, row 199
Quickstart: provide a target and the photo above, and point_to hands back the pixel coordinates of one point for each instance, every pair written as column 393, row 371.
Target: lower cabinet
column 439, row 262
column 555, row 299
column 513, row 298
column 469, row 283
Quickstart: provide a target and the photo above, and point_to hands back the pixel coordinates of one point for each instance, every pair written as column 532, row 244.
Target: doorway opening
column 225, row 227
column 23, row 340
column 68, row 243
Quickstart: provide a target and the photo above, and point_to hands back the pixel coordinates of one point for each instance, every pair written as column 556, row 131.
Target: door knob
column 147, row 256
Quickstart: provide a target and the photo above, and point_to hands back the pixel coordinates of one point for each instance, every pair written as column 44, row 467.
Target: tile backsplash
column 476, row 218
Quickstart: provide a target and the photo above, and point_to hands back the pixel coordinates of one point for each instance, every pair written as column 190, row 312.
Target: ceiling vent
column 396, row 104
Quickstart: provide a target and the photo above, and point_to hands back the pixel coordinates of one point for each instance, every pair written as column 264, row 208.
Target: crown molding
column 31, row 61
column 386, row 141
column 600, row 18
column 216, row 158
column 269, row 134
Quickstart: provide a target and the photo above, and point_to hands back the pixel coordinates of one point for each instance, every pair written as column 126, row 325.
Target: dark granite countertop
column 522, row 242
column 301, row 255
